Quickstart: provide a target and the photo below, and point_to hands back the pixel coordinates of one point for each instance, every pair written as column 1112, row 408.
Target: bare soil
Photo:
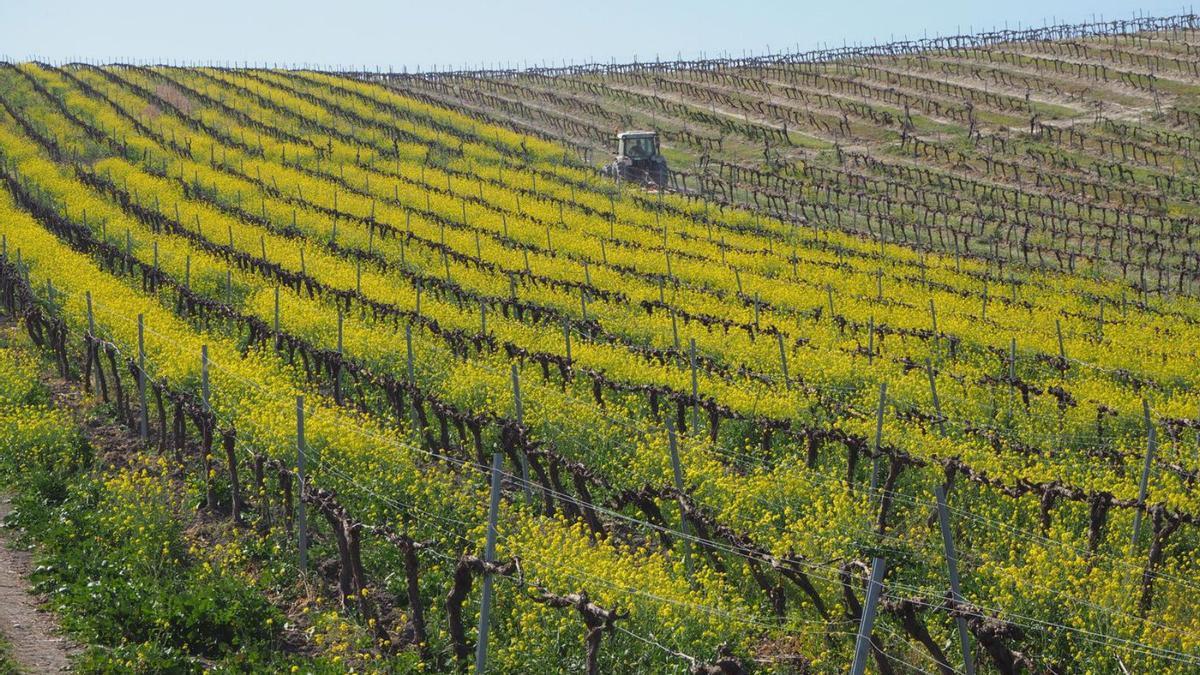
column 36, row 640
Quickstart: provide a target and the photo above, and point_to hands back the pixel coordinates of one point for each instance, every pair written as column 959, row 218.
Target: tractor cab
column 638, row 159
column 637, row 144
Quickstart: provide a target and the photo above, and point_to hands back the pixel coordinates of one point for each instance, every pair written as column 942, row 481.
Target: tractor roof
column 636, row 134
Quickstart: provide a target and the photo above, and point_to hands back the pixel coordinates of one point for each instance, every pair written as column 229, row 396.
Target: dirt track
column 33, row 633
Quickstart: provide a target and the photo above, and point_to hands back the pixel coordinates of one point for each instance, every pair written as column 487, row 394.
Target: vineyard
column 902, row 372
column 1070, row 148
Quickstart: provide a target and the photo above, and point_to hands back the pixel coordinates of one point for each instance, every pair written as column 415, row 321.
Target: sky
column 471, row 33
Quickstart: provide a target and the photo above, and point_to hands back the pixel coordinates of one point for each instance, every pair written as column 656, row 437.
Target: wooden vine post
column 878, row 437
column 416, row 415
column 144, row 425
column 937, row 404
column 92, row 351
column 862, row 643
column 1151, row 443
column 337, row 373
column 1012, row 373
column 91, row 317
column 567, row 338
column 937, row 343
column 210, row 494
column 964, row 639
column 677, row 472
column 520, row 416
column 695, row 386
column 301, row 483
column 1062, row 351
column 787, row 383
column 871, row 340
column 489, row 556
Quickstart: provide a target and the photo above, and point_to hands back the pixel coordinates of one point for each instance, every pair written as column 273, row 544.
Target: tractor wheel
column 660, row 175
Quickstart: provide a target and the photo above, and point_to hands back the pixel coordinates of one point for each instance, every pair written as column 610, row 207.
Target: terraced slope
column 1072, row 148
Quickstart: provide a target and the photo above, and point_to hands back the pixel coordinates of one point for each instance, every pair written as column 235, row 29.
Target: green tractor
column 638, row 159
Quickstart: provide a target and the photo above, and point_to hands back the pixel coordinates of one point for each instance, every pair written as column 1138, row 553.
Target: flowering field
column 711, row 423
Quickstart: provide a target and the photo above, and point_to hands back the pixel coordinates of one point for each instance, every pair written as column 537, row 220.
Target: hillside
column 698, row 429
column 1071, row 148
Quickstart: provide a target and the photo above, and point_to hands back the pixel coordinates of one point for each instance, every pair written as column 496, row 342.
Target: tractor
column 638, row 159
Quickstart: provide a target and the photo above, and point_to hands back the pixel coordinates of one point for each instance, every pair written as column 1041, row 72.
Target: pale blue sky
column 472, row 32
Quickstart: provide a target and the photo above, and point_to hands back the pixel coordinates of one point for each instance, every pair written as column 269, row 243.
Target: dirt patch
column 37, row 643
column 175, row 97
column 114, row 445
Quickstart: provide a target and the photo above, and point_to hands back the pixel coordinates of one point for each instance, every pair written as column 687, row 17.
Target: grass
column 134, row 573
column 8, row 666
